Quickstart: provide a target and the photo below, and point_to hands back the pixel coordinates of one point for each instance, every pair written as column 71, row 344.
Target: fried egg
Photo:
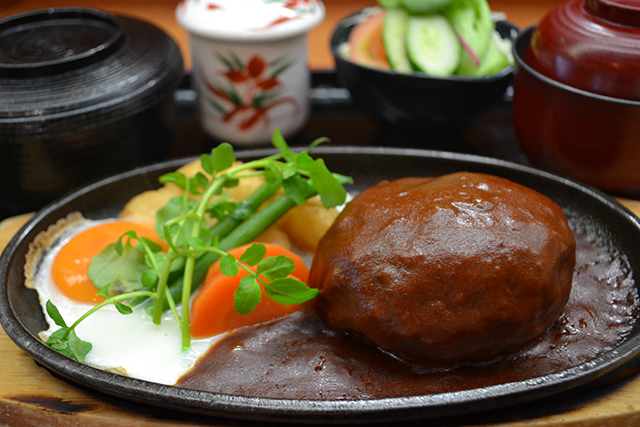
column 130, row 345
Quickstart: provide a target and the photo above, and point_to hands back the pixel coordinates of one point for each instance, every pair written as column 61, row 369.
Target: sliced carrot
column 212, row 310
column 70, row 266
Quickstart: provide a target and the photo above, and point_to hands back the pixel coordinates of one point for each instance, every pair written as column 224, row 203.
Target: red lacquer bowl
column 577, row 93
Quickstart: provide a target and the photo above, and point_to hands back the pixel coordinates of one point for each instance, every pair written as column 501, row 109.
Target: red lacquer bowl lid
column 592, row 45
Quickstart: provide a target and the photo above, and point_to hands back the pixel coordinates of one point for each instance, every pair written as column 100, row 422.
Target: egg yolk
column 71, row 264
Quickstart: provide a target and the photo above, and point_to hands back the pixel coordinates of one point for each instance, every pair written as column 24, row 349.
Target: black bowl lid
column 70, row 64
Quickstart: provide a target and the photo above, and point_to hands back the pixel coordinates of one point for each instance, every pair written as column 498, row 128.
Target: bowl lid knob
column 51, row 41
column 621, row 12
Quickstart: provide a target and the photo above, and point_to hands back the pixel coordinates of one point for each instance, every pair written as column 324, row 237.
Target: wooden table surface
column 31, row 396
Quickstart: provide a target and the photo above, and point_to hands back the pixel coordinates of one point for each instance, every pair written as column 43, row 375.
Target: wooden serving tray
column 30, row 395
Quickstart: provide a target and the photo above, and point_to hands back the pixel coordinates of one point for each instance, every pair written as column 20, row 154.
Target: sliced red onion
column 470, row 51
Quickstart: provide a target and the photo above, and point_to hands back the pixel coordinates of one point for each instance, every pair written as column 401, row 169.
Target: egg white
column 131, row 345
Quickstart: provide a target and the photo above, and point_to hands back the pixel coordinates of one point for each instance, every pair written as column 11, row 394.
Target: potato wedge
column 307, row 223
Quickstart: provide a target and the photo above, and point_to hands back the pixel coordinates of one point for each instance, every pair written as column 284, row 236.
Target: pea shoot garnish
column 136, row 269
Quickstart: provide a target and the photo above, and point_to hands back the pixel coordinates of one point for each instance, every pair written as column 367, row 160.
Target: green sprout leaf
column 175, row 208
column 65, row 340
column 201, row 181
column 78, row 347
column 228, row 265
column 289, row 291
column 123, row 308
column 272, row 177
column 253, row 254
column 196, row 243
column 150, row 279
column 317, row 142
column 248, row 295
column 273, row 268
column 296, row 188
column 176, row 178
column 104, row 291
column 326, row 184
column 57, row 342
column 222, row 157
column 279, row 142
column 55, row 315
column 289, row 171
column 207, row 164
column 152, row 245
column 123, row 271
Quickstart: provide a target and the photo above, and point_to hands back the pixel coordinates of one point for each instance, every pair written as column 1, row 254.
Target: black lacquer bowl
column 83, row 95
column 617, row 228
column 415, row 99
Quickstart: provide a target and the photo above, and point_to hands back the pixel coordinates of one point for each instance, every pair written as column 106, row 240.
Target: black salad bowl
column 415, row 99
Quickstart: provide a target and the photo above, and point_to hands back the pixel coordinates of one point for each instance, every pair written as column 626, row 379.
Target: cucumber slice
column 496, row 57
column 393, row 37
column 432, row 45
column 472, row 20
column 424, row 6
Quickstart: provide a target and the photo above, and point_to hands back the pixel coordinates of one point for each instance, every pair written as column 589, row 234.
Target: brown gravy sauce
column 299, row 357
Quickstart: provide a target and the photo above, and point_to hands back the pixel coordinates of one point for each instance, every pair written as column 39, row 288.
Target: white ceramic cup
column 250, row 65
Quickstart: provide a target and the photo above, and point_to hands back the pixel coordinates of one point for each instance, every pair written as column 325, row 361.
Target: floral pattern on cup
column 250, row 91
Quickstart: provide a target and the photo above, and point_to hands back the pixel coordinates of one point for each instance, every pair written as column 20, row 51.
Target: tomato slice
column 365, row 42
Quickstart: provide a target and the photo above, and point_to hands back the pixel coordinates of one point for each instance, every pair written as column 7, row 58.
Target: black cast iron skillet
column 617, row 228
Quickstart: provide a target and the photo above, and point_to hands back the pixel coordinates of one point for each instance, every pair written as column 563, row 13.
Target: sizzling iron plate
column 20, row 312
